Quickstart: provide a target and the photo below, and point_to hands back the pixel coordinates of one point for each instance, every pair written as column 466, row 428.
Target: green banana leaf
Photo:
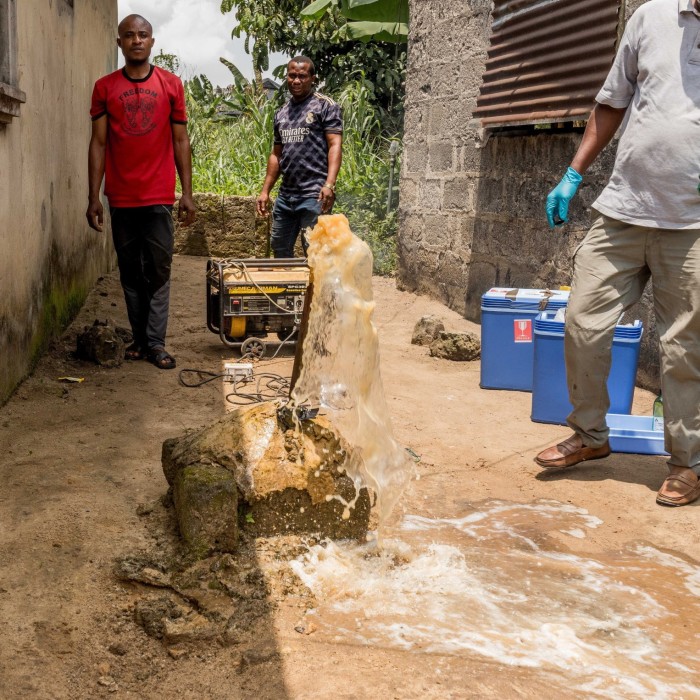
column 392, row 32
column 373, row 20
column 316, row 9
column 384, row 11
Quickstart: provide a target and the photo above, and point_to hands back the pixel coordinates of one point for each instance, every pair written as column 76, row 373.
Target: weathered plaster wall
column 49, row 258
column 472, row 213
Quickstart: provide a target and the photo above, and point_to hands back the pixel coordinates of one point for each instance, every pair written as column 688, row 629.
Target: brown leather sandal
column 680, row 487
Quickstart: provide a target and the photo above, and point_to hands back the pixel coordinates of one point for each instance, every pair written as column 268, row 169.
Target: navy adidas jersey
column 301, row 128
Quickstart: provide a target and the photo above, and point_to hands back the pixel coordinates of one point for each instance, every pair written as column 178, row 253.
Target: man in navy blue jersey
column 307, row 153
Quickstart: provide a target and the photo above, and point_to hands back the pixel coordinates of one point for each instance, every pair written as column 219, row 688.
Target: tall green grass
column 229, row 157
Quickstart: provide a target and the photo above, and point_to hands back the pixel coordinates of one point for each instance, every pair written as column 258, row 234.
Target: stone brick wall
column 472, row 208
column 225, row 227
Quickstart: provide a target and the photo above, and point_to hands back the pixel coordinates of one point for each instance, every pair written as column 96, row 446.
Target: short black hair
column 306, row 60
column 143, row 19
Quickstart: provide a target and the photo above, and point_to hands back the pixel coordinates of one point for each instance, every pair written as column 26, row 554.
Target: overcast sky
column 197, row 33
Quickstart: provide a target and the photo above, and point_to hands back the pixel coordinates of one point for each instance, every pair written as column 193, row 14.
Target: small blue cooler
column 635, row 434
column 507, row 347
column 550, row 395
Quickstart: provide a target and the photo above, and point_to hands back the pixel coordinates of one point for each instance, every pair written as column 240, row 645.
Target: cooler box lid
column 546, row 325
column 524, row 299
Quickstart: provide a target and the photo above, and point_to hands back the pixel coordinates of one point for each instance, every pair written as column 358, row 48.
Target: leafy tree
column 168, row 61
column 277, row 25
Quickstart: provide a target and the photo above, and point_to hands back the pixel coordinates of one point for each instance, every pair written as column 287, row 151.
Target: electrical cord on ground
column 210, row 377
column 269, row 386
column 275, row 387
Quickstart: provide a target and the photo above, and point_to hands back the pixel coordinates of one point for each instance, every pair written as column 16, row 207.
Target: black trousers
column 143, row 239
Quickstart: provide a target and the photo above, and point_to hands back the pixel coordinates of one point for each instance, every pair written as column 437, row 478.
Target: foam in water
column 498, row 584
column 340, row 371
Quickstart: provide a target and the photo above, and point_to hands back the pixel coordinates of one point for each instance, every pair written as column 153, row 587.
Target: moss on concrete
column 58, row 309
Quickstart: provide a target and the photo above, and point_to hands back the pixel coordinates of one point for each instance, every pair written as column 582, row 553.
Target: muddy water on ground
column 499, row 583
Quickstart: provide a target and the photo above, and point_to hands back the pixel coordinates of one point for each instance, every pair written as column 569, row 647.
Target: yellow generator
column 247, row 299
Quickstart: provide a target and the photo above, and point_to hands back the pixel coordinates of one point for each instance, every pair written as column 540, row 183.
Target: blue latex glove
column 558, row 199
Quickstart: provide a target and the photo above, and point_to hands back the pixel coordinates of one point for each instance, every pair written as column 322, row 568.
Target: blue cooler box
column 550, row 396
column 507, row 337
column 635, row 434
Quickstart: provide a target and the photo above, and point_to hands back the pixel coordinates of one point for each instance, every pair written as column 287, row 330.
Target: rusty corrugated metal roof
column 547, row 60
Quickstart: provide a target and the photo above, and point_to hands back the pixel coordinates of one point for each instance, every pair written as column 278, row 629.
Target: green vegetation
column 372, row 20
column 331, row 42
column 230, row 155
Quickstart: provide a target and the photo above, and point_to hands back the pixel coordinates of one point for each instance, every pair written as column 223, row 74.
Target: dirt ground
column 82, row 487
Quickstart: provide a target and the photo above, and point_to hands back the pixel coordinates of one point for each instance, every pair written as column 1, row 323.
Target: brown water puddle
column 498, row 585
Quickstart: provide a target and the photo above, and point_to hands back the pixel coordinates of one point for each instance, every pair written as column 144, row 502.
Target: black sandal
column 161, row 358
column 134, row 352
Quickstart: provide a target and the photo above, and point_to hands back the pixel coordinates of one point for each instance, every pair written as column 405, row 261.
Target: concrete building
column 51, row 52
column 472, row 199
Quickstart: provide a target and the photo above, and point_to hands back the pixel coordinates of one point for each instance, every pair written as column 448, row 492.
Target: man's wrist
column 330, row 186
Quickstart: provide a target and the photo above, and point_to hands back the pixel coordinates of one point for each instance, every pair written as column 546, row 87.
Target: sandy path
column 77, row 461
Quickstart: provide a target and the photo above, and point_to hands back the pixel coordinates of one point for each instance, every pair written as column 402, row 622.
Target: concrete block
column 415, row 158
column 458, row 193
column 441, row 156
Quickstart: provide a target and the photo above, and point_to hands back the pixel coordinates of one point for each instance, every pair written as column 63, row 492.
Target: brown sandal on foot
column 680, row 487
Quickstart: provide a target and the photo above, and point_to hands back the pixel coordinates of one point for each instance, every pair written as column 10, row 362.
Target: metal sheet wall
column 547, row 60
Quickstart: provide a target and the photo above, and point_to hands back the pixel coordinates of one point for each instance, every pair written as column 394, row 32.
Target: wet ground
column 494, row 580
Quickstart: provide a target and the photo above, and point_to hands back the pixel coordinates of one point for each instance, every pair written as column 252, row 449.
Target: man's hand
column 326, row 196
column 262, row 203
column 186, row 210
column 95, row 215
column 558, row 199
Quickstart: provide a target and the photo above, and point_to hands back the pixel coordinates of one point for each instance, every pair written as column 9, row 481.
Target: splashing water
column 498, row 584
column 340, row 371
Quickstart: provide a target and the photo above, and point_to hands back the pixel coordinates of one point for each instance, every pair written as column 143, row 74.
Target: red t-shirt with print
column 140, row 162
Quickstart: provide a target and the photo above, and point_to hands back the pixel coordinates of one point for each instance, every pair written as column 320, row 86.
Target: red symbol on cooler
column 523, row 330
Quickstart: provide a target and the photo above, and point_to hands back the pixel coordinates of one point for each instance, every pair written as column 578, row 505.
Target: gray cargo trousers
column 611, row 268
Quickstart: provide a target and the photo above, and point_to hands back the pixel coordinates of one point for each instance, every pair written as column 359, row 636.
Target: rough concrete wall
column 225, row 227
column 48, row 257
column 447, row 49
column 472, row 212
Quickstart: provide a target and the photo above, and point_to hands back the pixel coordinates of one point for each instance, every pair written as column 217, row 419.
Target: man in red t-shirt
column 139, row 138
